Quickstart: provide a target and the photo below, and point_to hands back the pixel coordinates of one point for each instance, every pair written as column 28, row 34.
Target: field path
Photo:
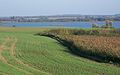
column 2, row 47
column 4, row 60
column 13, row 53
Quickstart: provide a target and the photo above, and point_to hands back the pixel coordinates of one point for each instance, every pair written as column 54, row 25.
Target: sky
column 58, row 7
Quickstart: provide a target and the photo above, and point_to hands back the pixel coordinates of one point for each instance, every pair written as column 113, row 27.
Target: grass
column 28, row 54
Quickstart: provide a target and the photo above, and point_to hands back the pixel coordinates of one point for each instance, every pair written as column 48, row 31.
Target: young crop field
column 23, row 53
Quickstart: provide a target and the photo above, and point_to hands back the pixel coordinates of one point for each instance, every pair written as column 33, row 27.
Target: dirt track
column 12, row 41
column 2, row 47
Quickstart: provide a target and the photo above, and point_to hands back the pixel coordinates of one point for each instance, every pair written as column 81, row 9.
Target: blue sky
column 58, row 7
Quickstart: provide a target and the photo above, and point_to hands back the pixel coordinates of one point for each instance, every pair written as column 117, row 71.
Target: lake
column 57, row 24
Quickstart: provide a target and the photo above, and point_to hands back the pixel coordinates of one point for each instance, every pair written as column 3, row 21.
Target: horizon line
column 63, row 15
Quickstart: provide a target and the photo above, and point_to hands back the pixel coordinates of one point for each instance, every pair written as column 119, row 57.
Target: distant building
column 108, row 24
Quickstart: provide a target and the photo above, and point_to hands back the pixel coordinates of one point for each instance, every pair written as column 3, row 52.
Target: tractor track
column 11, row 49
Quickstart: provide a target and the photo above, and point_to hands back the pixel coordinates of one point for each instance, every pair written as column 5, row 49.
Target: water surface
column 58, row 24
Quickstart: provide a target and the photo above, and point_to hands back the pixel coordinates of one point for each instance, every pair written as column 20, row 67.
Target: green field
column 23, row 53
